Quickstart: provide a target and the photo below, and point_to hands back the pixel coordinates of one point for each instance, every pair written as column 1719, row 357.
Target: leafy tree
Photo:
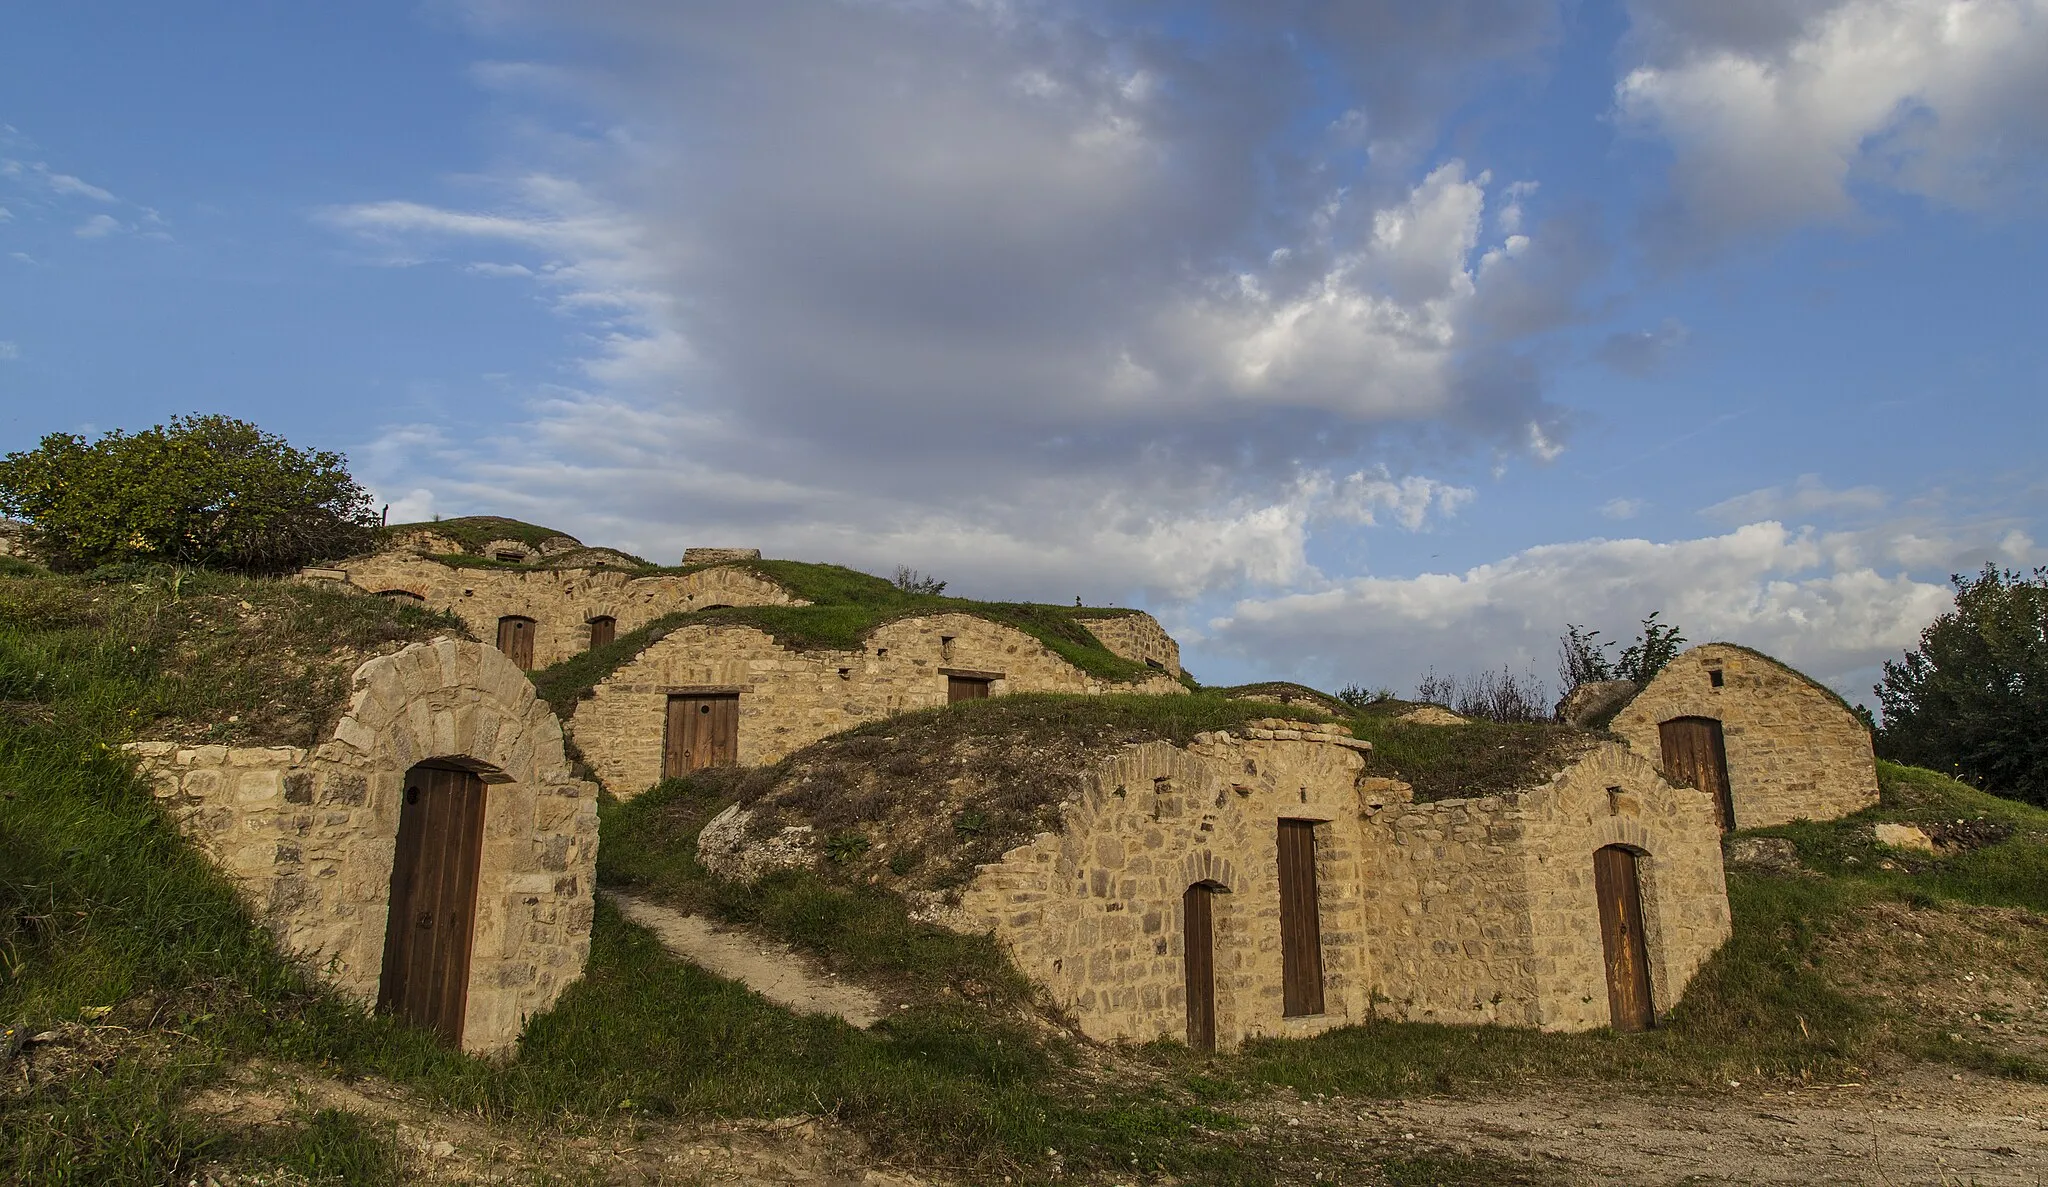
column 1582, row 658
column 1973, row 698
column 203, row 490
column 911, row 581
column 1652, row 649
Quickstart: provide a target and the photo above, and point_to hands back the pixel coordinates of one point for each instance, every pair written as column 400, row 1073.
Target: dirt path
column 1922, row 1127
column 764, row 966
column 453, row 1148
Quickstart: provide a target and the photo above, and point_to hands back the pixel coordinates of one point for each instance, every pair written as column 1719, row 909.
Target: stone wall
column 1458, row 911
column 1138, row 637
column 1094, row 913
column 1484, row 911
column 14, row 540
column 789, row 699
column 309, row 838
column 1794, row 750
column 560, row 601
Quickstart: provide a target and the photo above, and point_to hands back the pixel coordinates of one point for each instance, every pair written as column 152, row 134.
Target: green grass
column 474, row 532
column 1478, row 758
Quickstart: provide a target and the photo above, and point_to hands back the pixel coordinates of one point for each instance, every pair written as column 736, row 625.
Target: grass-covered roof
column 1479, row 758
column 475, row 532
column 920, row 799
column 195, row 656
column 846, row 607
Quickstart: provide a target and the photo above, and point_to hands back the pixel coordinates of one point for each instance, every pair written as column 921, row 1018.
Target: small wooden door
column 1198, row 940
column 432, row 916
column 703, row 731
column 966, row 688
column 1301, row 930
column 603, row 629
column 1620, row 891
column 515, row 639
column 1695, row 753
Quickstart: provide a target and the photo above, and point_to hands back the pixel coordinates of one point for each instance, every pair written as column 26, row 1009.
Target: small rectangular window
column 1714, row 677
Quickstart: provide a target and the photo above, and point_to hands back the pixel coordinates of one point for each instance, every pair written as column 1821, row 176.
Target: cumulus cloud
column 1775, row 112
column 1783, row 590
column 1008, row 289
column 1807, row 497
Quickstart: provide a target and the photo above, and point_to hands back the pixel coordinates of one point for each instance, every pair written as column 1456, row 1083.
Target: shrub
column 204, row 490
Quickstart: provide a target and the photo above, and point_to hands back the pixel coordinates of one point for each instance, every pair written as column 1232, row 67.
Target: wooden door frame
column 1304, row 993
column 400, row 906
column 1724, row 795
column 1636, row 940
column 524, row 663
column 1200, row 991
column 670, row 743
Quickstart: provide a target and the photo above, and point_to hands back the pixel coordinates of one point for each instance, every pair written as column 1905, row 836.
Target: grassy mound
column 474, row 532
column 1478, row 758
column 917, row 801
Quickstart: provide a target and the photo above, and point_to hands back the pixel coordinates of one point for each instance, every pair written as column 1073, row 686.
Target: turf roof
column 473, row 532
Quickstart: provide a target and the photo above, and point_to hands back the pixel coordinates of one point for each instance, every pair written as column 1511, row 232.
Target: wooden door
column 703, row 731
column 432, row 916
column 603, row 629
column 1198, row 946
column 966, row 688
column 515, row 639
column 1620, row 891
column 1696, row 753
column 1301, row 931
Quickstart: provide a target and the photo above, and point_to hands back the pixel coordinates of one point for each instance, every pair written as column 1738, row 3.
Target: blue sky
column 1353, row 340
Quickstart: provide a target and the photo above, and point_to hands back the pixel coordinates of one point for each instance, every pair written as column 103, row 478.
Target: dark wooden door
column 1198, row 940
column 1301, row 929
column 432, row 918
column 603, row 629
column 1621, row 933
column 965, row 688
column 703, row 731
column 1695, row 753
column 515, row 639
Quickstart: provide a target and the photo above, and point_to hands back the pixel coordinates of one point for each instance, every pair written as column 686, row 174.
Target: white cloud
column 6, row 215
column 64, row 183
column 9, row 351
column 1807, row 497
column 1619, row 508
column 1762, row 585
column 1775, row 113
column 99, row 226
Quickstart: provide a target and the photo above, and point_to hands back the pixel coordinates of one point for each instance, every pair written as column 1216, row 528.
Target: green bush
column 204, row 490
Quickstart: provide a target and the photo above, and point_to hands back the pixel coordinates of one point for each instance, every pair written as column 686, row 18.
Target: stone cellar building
column 1261, row 882
column 713, row 694
column 1769, row 744
column 432, row 857
column 542, row 616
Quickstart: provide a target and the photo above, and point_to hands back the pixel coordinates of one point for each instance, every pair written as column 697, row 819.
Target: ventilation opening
column 1715, row 678
column 514, row 557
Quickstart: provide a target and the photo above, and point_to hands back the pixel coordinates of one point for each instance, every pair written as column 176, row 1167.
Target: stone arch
column 401, row 593
column 1205, row 867
column 466, row 705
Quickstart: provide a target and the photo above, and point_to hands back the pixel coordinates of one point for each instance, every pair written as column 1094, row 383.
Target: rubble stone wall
column 1137, row 637
column 1794, row 750
column 561, row 602
column 789, row 699
column 1484, row 910
column 309, row 838
column 1094, row 913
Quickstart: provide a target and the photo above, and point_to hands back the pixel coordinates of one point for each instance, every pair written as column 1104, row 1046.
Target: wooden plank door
column 515, row 639
column 432, row 916
column 966, row 688
column 1620, row 891
column 1696, row 753
column 703, row 731
column 1301, row 930
column 603, row 629
column 1198, row 947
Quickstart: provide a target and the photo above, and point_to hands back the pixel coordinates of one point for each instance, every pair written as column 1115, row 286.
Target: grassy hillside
column 151, row 981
